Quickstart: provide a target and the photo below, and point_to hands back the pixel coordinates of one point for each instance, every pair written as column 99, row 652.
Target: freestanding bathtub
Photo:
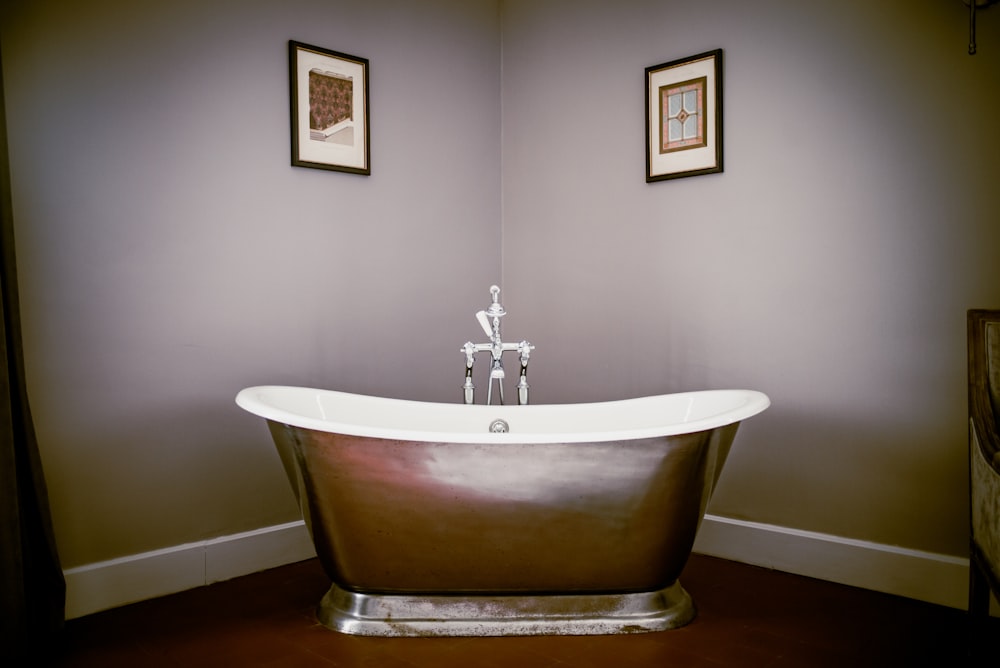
column 576, row 520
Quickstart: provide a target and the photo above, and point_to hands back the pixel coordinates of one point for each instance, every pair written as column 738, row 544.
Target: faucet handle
column 470, row 354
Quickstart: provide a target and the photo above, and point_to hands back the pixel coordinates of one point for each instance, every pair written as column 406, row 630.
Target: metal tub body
column 499, row 534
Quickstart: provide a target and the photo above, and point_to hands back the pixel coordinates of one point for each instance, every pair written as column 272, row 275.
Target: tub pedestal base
column 464, row 615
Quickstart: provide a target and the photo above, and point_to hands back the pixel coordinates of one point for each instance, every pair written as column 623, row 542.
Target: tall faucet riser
column 489, row 320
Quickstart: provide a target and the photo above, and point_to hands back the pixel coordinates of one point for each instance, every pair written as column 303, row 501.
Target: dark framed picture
column 684, row 117
column 329, row 96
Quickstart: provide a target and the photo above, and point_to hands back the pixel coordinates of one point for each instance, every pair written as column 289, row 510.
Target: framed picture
column 329, row 95
column 684, row 117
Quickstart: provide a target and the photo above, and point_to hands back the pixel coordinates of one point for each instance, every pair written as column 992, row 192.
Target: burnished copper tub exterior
column 504, row 537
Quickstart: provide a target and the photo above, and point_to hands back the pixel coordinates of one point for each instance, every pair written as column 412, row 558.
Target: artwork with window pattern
column 682, row 115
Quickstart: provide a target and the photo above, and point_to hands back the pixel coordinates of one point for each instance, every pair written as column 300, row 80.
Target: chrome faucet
column 489, row 320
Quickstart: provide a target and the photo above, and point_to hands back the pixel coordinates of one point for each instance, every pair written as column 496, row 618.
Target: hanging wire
column 973, row 5
column 972, row 27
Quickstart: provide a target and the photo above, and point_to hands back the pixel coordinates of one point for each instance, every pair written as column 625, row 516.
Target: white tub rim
column 419, row 421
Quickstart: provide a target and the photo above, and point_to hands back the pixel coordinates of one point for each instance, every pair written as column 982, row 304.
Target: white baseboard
column 925, row 576
column 109, row 584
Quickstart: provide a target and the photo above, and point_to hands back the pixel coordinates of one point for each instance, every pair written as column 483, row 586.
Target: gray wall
column 169, row 255
column 830, row 265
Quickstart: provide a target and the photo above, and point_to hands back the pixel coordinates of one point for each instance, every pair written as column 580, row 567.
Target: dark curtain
column 32, row 588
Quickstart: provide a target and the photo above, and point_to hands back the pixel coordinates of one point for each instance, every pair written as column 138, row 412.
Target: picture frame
column 684, row 117
column 329, row 109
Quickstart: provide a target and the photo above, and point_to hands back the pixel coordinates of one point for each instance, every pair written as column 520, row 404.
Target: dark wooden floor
column 747, row 616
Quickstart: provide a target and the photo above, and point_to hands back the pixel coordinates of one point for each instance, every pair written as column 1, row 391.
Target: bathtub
column 577, row 519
